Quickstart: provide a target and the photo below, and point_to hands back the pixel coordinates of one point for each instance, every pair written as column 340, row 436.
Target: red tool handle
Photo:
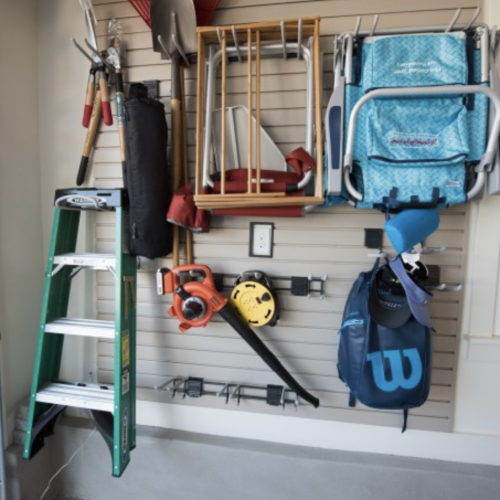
column 89, row 100
column 106, row 106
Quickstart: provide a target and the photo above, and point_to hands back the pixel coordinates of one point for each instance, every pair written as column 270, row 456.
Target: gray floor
column 181, row 466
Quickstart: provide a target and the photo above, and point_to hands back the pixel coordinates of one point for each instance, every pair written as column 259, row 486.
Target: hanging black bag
column 146, row 178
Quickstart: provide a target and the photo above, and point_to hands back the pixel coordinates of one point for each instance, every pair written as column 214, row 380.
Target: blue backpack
column 384, row 368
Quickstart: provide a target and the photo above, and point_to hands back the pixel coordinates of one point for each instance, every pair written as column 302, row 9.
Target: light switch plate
column 261, row 239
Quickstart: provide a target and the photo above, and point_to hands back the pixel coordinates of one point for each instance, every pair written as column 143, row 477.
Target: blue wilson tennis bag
column 385, row 368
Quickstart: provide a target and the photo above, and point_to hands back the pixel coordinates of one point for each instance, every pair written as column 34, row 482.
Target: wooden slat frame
column 264, row 31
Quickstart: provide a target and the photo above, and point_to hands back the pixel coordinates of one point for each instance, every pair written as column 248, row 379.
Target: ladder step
column 82, row 327
column 92, row 397
column 93, row 260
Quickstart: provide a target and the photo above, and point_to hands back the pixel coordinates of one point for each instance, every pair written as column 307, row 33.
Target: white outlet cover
column 261, row 239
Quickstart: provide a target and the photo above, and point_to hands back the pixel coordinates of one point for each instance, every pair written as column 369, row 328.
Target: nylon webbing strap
column 405, row 420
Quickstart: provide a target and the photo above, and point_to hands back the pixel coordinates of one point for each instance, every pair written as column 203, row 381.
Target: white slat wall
column 329, row 241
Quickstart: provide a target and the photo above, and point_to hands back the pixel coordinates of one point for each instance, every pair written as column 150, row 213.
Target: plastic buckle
column 275, row 395
column 193, row 387
column 300, row 286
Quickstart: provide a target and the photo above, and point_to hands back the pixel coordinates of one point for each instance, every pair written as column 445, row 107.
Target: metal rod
column 250, row 122
column 257, row 111
column 453, row 20
column 319, row 110
column 236, row 44
column 374, row 25
column 299, row 39
column 283, row 38
column 223, row 126
column 475, row 15
column 358, row 26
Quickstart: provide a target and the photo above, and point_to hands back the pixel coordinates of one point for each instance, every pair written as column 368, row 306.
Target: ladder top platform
column 90, row 198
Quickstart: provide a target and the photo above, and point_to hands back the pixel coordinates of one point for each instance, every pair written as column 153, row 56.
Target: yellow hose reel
column 255, row 300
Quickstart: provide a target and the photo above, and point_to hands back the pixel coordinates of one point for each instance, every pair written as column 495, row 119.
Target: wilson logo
column 398, row 379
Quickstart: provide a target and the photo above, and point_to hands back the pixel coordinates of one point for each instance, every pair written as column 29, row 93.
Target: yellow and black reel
column 255, row 300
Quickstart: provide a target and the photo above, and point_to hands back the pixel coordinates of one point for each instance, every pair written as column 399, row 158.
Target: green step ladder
column 111, row 407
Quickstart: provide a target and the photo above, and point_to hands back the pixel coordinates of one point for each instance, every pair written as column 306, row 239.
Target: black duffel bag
column 146, row 178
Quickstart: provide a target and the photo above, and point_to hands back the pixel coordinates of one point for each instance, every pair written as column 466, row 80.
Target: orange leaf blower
column 195, row 302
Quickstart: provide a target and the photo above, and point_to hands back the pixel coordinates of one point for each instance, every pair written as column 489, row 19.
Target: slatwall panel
column 329, row 241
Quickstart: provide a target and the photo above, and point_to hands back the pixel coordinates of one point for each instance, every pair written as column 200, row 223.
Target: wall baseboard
column 454, row 447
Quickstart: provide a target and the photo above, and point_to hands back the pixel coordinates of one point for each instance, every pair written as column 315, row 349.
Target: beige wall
column 61, row 81
column 477, row 407
column 21, row 255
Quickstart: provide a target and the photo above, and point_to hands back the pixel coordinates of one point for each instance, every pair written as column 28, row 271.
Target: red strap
column 300, row 160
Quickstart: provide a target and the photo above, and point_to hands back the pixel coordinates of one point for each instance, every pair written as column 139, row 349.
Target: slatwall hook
column 167, row 384
column 493, row 39
column 178, row 46
column 453, row 21
column 296, row 402
column 164, row 47
column 357, row 27
column 299, row 39
column 237, row 393
column 443, row 287
column 374, row 25
column 236, row 44
column 224, row 392
column 381, row 254
column 83, row 51
column 283, row 39
column 283, row 398
column 432, row 250
column 475, row 15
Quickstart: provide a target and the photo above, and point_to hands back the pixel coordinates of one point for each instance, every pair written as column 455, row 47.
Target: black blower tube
column 247, row 334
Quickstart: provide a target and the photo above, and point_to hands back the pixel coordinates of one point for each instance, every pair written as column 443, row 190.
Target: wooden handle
column 223, row 117
column 257, row 111
column 93, row 126
column 185, row 162
column 89, row 100
column 89, row 139
column 176, row 244
column 250, row 122
column 106, row 106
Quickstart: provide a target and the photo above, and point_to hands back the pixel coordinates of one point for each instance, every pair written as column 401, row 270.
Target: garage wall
column 21, row 253
column 329, row 241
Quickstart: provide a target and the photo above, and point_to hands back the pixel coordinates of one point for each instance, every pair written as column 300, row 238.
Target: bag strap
column 405, row 420
column 301, row 161
column 352, row 400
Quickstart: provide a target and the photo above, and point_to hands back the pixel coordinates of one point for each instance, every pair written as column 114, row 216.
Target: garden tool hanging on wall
column 115, row 57
column 97, row 100
column 255, row 299
column 195, row 302
column 173, row 23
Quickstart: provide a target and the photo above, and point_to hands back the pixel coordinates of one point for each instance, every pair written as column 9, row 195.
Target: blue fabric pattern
column 414, row 61
column 411, row 181
column 418, row 148
column 410, row 130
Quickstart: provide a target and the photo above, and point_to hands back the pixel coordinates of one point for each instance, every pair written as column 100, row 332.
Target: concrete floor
column 184, row 466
